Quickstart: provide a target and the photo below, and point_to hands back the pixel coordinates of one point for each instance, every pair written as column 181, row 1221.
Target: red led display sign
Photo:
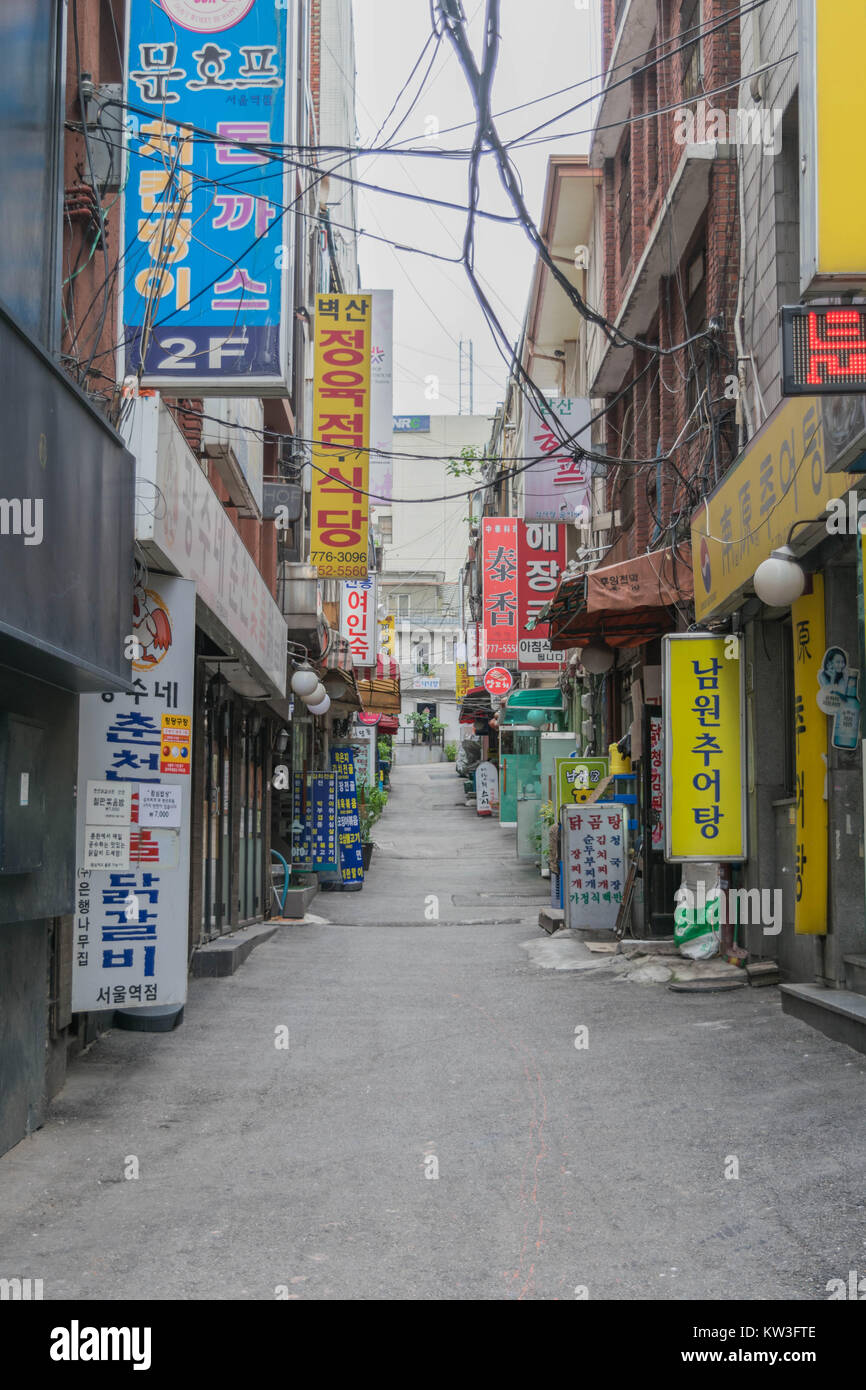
column 823, row 350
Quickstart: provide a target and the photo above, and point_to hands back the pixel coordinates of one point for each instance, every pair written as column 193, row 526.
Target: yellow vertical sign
column 810, row 743
column 387, row 637
column 703, row 748
column 462, row 682
column 340, row 508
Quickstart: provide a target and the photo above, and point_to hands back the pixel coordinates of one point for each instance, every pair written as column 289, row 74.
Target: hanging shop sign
column 322, row 814
column 823, row 350
column 367, row 717
column 474, row 638
column 205, row 289
column 577, row 779
column 358, row 618
column 559, row 486
column 382, row 397
column 540, row 561
column 657, row 782
column 593, row 862
column 498, row 681
column 811, row 864
column 499, row 561
column 362, row 743
column 704, row 749
column 832, row 176
column 133, row 827
column 461, row 681
column 486, row 789
column 348, row 818
column 387, row 635
column 339, row 528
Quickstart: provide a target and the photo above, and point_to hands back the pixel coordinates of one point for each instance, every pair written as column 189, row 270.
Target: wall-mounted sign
column 811, row 864
column 176, row 750
column 339, row 527
column 823, row 350
column 367, row 717
column 204, row 291
column 704, row 749
column 577, row 779
column 498, row 681
column 109, row 803
column 411, row 424
column 540, row 561
column 499, row 563
column 656, row 781
column 160, row 805
column 322, row 813
column 593, row 864
column 559, row 486
column 132, row 891
column 425, row 683
column 462, row 681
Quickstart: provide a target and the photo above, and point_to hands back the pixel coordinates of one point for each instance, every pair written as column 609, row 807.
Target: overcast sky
column 546, row 45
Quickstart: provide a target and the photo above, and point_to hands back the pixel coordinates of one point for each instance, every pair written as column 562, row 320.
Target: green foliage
column 383, row 747
column 451, row 752
column 370, row 808
column 466, row 466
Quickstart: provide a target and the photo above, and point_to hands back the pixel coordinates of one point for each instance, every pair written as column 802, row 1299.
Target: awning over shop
column 388, row 724
column 624, row 605
column 380, row 696
column 475, row 705
column 337, row 674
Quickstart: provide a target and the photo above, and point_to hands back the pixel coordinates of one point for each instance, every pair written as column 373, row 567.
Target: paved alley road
column 421, row 1043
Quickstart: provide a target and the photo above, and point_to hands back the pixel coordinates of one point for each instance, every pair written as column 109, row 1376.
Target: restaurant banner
column 704, row 749
column 593, row 863
column 339, row 528
column 133, row 816
column 540, row 561
column 348, row 819
column 499, row 561
column 322, row 814
column 205, row 284
column 558, row 487
column 811, row 863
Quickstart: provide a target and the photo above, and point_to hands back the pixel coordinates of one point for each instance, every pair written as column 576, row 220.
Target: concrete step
column 839, row 1013
column 855, row 973
column 223, row 956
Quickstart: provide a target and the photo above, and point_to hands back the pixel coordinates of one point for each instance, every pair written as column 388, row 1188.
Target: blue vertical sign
column 206, row 265
column 302, row 850
column 348, row 819
column 322, row 809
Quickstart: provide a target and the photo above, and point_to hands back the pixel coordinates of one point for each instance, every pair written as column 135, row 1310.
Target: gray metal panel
column 808, row 111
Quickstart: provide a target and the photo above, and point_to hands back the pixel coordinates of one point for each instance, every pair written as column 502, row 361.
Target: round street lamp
column 304, row 681
column 779, row 580
column 322, row 707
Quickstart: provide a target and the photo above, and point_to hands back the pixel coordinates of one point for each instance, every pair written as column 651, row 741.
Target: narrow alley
column 431, row 1130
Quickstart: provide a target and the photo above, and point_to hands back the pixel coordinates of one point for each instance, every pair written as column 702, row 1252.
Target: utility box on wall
column 22, row 793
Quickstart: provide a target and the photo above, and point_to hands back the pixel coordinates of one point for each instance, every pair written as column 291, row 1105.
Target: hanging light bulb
column 321, row 708
column 316, row 696
column 779, row 580
column 597, row 658
column 304, row 681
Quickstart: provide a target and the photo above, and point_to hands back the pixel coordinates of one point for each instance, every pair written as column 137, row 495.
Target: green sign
column 577, row 779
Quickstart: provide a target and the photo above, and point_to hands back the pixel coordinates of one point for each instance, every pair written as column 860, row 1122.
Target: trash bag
column 696, row 915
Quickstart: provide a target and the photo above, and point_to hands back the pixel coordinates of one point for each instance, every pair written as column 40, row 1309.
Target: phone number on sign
column 340, row 557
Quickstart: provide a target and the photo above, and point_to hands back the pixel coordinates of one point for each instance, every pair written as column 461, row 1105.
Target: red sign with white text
column 498, row 681
column 541, row 560
column 499, row 561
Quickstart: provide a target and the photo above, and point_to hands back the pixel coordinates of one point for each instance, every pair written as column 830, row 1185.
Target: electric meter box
column 22, row 793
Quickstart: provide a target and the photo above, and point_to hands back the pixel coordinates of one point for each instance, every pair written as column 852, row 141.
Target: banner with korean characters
column 362, row 741
column 340, row 510
column 133, row 817
column 540, row 561
column 657, row 782
column 348, row 818
column 559, row 486
column 205, row 292
column 811, row 846
column 359, row 620
column 499, row 568
column 704, row 748
column 462, row 682
column 593, row 863
column 577, row 779
column 322, row 816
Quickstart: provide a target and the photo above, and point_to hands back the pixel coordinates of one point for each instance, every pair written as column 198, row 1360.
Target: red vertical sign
column 541, row 559
column 499, row 557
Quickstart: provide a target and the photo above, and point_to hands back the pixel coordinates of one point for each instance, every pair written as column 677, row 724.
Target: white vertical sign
column 132, row 881
column 358, row 618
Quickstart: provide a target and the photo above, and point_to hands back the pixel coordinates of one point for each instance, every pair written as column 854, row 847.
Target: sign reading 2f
column 206, row 267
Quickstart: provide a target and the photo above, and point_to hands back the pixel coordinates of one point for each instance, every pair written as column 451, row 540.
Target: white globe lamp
column 779, row 580
column 304, row 681
column 322, row 707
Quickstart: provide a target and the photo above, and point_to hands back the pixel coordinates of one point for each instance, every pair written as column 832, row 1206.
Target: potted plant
column 370, row 808
column 383, row 748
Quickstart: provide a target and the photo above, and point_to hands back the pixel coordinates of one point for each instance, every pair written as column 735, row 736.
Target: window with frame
column 385, row 527
column 624, row 205
column 399, row 605
column 691, row 57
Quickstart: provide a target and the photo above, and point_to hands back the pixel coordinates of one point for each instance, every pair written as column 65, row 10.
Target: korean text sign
column 577, row 779
column 358, row 619
column 341, row 431
column 541, row 559
column 810, row 748
column 322, row 811
column 499, row 558
column 704, row 749
column 348, row 819
column 593, row 863
column 559, row 486
column 132, row 879
column 205, row 287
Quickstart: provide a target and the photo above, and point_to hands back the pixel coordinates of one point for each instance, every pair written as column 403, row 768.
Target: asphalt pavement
column 431, row 1130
